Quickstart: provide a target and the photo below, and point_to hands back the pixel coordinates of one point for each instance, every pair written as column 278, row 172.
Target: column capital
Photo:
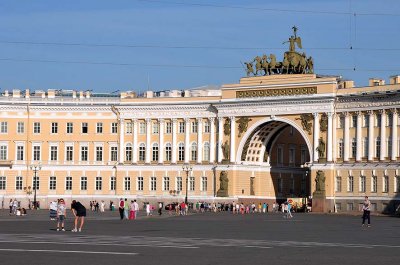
column 220, row 118
column 359, row 113
column 329, row 114
column 394, row 111
column 135, row 120
column 161, row 120
column 211, row 119
column 187, row 120
column 315, row 114
column 148, row 120
column 232, row 118
column 370, row 112
column 344, row 113
column 174, row 120
column 199, row 120
column 382, row 111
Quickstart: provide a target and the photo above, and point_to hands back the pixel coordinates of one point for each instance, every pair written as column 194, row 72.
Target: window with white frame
column 142, row 152
column 54, row 127
column 179, row 183
column 113, row 182
column 156, row 127
column 181, row 127
column 354, row 121
column 99, row 127
column 3, row 127
column 203, row 183
column 181, row 152
column 99, row 183
column 129, row 128
column 3, row 182
column 365, row 147
column 366, row 120
column 207, row 126
column 378, row 120
column 20, row 152
column 36, row 183
column 53, row 183
column 353, row 147
column 85, row 127
column 36, row 152
column 53, row 153
column 340, row 148
column 114, row 127
column 206, row 151
column 127, row 183
column 168, row 127
column 191, row 183
column 69, row 155
column 83, row 183
column 142, row 128
column 378, row 147
column 139, row 185
column 153, row 183
column 363, row 184
column 194, row 126
column 338, row 186
column 350, row 184
column 165, row 184
column 36, row 127
column 128, row 152
column 168, row 152
column 374, row 184
column 68, row 183
column 84, row 153
column 20, row 127
column 70, row 127
column 193, row 151
column 114, row 153
column 154, row 152
column 389, row 146
column 99, row 153
column 18, row 182
column 385, row 187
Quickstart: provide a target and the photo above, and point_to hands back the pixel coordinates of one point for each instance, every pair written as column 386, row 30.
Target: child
column 61, row 214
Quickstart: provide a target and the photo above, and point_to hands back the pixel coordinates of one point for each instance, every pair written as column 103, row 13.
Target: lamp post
column 35, row 169
column 187, row 168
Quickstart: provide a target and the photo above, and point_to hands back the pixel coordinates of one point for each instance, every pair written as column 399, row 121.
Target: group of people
column 58, row 211
column 128, row 210
column 15, row 208
column 95, row 206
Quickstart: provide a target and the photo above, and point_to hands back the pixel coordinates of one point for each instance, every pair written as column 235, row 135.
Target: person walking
column 160, row 205
column 366, row 211
column 61, row 214
column 132, row 210
column 289, row 210
column 121, row 208
column 126, row 209
column 79, row 211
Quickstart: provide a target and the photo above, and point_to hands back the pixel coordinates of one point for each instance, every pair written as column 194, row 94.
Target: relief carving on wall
column 306, row 119
column 243, row 124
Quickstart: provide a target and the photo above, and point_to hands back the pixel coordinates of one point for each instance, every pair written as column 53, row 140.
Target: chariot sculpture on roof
column 293, row 62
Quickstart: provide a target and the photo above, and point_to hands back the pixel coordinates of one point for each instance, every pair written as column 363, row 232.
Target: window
column 338, row 186
column 18, row 182
column 207, row 127
column 280, row 155
column 153, row 183
column 53, row 153
column 350, row 207
column 397, row 184
column 83, row 183
column 127, row 183
column 114, row 127
column 338, row 206
column 3, row 127
column 99, row 183
column 20, row 152
column 139, row 183
column 390, row 120
column 377, row 147
column 363, row 184
column 166, row 184
column 128, row 153
column 36, row 183
column 114, row 153
column 350, row 184
column 206, row 151
column 142, row 152
column 168, row 127
column 99, row 127
column 303, row 155
column 181, row 128
column 52, row 183
column 204, row 183
column 69, row 153
column 3, row 182
column 292, row 153
column 156, row 128
column 54, row 127
column 341, row 149
column 280, row 185
column 129, row 127
column 70, row 127
column 194, row 126
column 353, row 147
column 366, row 120
column 84, row 153
column 341, row 122
column 365, row 146
column 191, row 183
column 179, row 183
column 389, row 147
column 378, row 120
column 193, row 151
column 155, row 152
column 142, row 128
column 99, row 153
column 20, row 127
column 36, row 127
column 85, row 127
column 181, row 152
column 36, row 152
column 354, row 121
column 168, row 152
column 68, row 183
column 385, row 184
column 374, row 184
column 113, row 183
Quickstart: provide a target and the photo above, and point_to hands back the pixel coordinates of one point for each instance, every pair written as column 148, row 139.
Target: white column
column 135, row 141
column 187, row 140
column 316, row 136
column 383, row 135
column 161, row 141
column 212, row 140
column 359, row 139
column 148, row 138
column 233, row 140
column 335, row 142
column 346, row 136
column 199, row 140
column 394, row 150
column 121, row 141
column 330, row 137
column 371, row 136
column 174, row 137
column 220, row 137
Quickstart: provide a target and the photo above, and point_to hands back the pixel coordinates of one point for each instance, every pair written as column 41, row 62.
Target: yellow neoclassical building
column 265, row 138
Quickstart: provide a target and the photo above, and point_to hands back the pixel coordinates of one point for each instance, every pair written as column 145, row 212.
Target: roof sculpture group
column 293, row 61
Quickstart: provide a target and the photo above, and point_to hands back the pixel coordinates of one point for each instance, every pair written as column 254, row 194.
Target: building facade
column 273, row 137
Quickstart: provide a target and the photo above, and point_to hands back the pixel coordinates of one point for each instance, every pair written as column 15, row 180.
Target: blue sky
column 176, row 44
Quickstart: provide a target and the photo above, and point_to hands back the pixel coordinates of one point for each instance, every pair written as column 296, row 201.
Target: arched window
column 168, row 152
column 155, row 152
column 128, row 152
column 206, row 151
column 193, row 151
column 181, row 152
column 142, row 152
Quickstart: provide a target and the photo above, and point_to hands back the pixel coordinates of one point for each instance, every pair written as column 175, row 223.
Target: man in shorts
column 61, row 214
column 79, row 212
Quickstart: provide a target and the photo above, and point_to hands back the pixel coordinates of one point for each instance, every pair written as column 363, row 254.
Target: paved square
column 209, row 238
